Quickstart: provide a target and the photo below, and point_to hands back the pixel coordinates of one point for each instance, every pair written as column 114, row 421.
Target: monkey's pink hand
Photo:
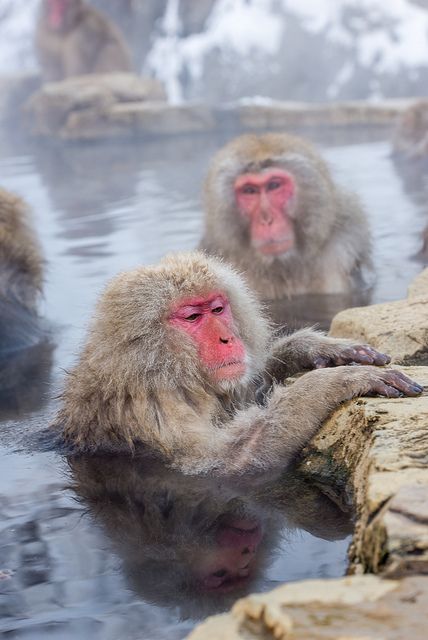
column 346, row 353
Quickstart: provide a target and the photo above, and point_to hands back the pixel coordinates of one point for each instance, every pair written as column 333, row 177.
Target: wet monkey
column 21, row 274
column 273, row 210
column 25, row 346
column 172, row 363
column 73, row 38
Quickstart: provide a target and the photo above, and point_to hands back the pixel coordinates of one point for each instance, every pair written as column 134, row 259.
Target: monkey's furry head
column 130, row 337
column 226, row 229
column 136, row 369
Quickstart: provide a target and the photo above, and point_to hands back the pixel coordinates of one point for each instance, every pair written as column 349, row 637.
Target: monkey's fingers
column 361, row 354
column 378, row 359
column 394, row 383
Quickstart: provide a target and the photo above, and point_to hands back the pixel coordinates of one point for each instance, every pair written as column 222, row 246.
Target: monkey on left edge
column 25, row 348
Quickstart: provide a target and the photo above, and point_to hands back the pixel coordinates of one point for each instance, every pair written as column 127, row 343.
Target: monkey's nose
column 225, row 340
column 266, row 218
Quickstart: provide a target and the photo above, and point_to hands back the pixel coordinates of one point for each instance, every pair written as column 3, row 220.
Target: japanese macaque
column 25, row 352
column 198, row 545
column 21, row 259
column 172, row 362
column 75, row 39
column 273, row 211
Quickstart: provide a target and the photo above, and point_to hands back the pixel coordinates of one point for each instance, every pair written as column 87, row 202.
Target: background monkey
column 73, row 38
column 172, row 362
column 273, row 210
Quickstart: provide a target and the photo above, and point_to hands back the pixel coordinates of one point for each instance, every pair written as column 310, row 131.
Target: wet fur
column 21, row 260
column 139, row 383
column 333, row 247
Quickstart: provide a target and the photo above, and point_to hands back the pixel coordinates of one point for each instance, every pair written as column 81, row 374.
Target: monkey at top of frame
column 199, row 546
column 291, row 229
column 180, row 361
column 73, row 38
column 25, row 345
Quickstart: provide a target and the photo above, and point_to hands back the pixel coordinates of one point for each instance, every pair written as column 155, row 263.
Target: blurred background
column 217, row 50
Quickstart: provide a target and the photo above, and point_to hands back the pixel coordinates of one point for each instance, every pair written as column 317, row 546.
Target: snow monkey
column 273, row 210
column 21, row 272
column 25, row 350
column 74, row 39
column 172, row 361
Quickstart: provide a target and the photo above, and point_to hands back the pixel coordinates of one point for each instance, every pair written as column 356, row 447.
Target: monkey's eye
column 217, row 310
column 249, row 189
column 274, row 184
column 193, row 317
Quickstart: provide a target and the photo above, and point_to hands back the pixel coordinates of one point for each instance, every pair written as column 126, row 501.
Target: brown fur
column 20, row 254
column 88, row 43
column 139, row 381
column 333, row 247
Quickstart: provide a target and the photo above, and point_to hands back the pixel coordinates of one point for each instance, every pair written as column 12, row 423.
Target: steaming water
column 98, row 210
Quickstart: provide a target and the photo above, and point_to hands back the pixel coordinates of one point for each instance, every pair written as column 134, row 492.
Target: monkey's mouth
column 230, row 370
column 275, row 247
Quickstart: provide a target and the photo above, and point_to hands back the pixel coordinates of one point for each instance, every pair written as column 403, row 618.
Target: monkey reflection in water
column 198, row 544
column 25, row 348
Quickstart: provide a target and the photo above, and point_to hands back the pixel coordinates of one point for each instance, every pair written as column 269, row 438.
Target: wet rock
column 411, row 135
column 355, row 608
column 397, row 328
column 376, row 450
column 271, row 114
column 85, row 106
column 137, row 119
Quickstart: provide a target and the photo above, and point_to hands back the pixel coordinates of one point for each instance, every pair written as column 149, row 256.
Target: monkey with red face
column 273, row 211
column 174, row 359
column 73, row 38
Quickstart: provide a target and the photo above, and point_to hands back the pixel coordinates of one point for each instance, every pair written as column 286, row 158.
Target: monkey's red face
column 267, row 200
column 57, row 11
column 209, row 322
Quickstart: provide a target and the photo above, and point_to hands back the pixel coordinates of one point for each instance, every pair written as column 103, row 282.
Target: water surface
column 103, row 208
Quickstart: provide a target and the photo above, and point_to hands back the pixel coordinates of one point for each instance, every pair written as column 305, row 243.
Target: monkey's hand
column 298, row 410
column 335, row 352
column 308, row 349
column 369, row 381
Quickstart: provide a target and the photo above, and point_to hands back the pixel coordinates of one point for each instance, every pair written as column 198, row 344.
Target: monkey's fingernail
column 363, row 357
column 417, row 387
column 320, row 363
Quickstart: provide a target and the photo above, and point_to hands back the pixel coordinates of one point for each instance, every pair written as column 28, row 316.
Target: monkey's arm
column 262, row 438
column 309, row 349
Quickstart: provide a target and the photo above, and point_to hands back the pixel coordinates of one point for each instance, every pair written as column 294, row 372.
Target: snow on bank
column 384, row 37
